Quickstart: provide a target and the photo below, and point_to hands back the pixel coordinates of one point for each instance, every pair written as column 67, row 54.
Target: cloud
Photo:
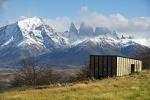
column 84, row 9
column 3, row 4
column 115, row 22
column 60, row 23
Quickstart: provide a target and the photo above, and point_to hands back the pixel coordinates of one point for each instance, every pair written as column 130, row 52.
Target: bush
column 31, row 74
column 84, row 73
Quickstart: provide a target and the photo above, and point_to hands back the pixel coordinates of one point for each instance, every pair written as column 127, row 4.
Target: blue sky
column 13, row 9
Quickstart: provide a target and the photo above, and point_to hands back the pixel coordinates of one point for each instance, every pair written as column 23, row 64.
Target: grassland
column 133, row 87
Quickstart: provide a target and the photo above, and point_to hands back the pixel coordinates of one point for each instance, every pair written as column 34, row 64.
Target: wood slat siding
column 100, row 66
column 103, row 66
column 124, row 66
column 114, row 65
column 92, row 65
column 109, row 66
column 96, row 67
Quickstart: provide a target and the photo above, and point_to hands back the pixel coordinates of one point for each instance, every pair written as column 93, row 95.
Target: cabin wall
column 109, row 66
column 103, row 66
column 124, row 66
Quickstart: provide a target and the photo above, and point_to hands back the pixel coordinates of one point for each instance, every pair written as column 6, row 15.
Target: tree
column 31, row 74
column 84, row 73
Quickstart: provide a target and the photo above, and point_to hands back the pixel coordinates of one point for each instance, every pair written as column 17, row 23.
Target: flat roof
column 118, row 56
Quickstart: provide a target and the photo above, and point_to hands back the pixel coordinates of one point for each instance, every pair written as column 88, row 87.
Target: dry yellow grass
column 133, row 87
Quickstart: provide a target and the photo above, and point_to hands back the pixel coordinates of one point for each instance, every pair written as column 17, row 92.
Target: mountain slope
column 34, row 37
column 79, row 54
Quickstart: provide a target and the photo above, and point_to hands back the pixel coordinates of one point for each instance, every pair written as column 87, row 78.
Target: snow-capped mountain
column 35, row 37
column 31, row 33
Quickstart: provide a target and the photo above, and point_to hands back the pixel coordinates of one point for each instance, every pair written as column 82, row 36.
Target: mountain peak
column 73, row 28
column 29, row 23
column 85, row 30
column 122, row 37
column 102, row 31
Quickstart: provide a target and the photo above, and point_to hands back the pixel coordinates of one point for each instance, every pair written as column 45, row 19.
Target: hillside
column 133, row 87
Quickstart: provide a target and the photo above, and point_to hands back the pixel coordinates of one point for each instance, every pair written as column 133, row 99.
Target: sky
column 120, row 15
